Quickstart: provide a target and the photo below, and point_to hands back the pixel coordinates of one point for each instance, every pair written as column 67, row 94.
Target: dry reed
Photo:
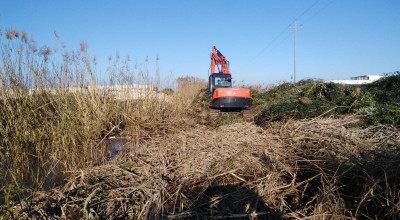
column 53, row 122
column 54, row 116
column 316, row 169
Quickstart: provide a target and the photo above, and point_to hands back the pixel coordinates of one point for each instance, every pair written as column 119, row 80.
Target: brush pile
column 376, row 103
column 320, row 168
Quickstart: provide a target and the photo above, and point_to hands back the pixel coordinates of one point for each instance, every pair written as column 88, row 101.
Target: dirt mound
column 321, row 168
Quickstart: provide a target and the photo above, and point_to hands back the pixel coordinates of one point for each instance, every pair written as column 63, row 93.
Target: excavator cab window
column 222, row 82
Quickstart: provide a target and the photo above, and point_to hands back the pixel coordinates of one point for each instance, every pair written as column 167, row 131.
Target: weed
column 386, row 94
column 308, row 99
column 386, row 114
column 91, row 181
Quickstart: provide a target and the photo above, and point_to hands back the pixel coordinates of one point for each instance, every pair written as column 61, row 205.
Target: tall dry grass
column 54, row 117
column 311, row 169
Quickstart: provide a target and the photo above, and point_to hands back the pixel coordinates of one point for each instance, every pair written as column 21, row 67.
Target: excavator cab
column 218, row 80
column 221, row 95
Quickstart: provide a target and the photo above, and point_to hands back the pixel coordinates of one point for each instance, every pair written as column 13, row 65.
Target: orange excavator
column 221, row 95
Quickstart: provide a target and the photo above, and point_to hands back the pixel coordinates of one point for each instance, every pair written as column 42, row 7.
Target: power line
column 308, row 9
column 268, row 45
column 323, row 8
column 282, row 32
column 301, row 26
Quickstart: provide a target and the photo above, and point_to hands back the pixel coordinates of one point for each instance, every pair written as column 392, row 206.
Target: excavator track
column 247, row 114
column 214, row 113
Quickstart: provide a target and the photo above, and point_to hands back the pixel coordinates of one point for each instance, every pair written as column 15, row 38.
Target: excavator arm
column 218, row 59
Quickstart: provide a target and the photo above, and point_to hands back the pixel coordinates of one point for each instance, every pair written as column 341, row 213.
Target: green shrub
column 386, row 94
column 377, row 103
column 386, row 90
column 331, row 92
column 308, row 99
column 168, row 91
column 385, row 114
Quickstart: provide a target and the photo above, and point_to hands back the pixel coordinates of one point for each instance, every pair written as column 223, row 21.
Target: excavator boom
column 218, row 59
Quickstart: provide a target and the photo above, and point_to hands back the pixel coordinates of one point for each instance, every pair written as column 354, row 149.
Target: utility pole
column 295, row 36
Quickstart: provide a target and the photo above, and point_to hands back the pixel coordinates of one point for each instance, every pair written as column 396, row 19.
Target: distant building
column 358, row 80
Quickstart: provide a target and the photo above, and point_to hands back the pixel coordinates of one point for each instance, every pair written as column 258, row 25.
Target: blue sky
column 339, row 38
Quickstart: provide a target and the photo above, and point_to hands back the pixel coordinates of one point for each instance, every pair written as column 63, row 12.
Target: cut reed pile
column 320, row 168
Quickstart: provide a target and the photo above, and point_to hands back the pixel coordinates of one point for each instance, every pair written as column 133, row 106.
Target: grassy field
column 315, row 150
